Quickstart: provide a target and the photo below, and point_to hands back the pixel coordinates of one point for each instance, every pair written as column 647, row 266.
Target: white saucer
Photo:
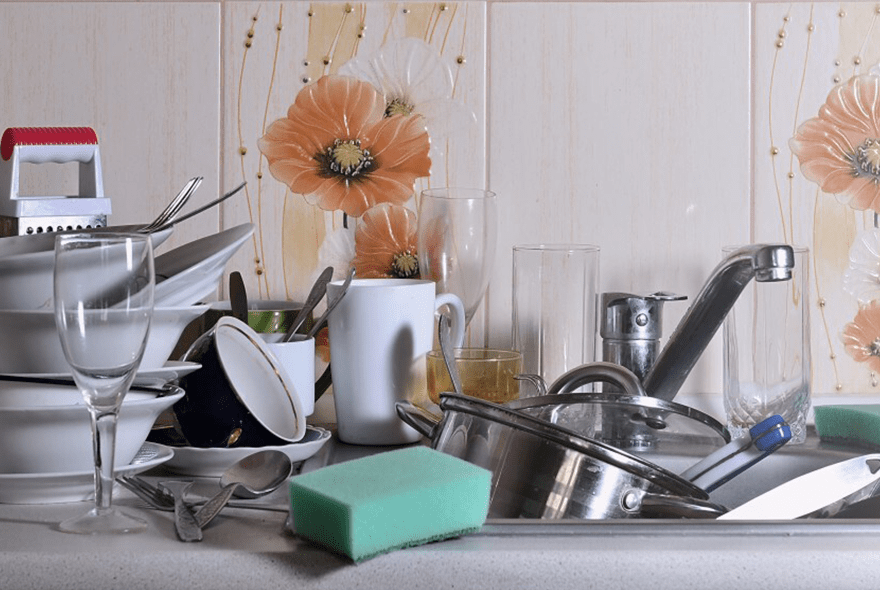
column 57, row 488
column 212, row 462
column 172, row 371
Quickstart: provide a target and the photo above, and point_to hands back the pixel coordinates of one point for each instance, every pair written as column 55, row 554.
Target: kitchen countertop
column 252, row 549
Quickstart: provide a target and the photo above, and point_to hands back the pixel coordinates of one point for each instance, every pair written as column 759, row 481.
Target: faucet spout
column 763, row 262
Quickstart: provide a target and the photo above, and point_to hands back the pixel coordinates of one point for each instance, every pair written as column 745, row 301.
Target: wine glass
column 103, row 308
column 457, row 239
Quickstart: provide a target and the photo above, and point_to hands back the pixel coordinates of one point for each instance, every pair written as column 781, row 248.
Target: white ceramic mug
column 379, row 335
column 298, row 359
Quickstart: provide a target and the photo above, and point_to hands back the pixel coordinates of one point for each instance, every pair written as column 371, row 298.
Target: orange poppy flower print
column 385, row 243
column 840, row 149
column 322, row 344
column 861, row 337
column 337, row 148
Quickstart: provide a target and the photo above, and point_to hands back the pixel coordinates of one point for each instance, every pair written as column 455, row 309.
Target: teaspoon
column 256, row 475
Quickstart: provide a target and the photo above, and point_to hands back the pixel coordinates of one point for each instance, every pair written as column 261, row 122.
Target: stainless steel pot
column 544, row 471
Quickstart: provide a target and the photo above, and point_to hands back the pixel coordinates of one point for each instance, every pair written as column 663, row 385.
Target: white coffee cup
column 379, row 335
column 298, row 359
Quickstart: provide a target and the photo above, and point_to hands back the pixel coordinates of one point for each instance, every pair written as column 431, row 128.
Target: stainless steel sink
column 785, row 464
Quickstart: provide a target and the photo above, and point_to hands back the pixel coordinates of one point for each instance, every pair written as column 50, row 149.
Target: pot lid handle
column 598, row 371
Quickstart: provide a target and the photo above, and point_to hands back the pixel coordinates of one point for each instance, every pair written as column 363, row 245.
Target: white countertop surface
column 246, row 549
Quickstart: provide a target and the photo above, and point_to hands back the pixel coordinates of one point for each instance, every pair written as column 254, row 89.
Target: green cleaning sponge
column 394, row 499
column 854, row 424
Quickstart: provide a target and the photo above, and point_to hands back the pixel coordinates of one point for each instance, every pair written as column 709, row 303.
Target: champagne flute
column 103, row 308
column 457, row 239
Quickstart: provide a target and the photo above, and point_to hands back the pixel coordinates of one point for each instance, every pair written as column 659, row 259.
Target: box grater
column 28, row 215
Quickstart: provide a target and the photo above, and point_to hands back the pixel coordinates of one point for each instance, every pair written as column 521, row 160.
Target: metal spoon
column 444, row 332
column 254, row 476
column 331, row 305
column 315, row 295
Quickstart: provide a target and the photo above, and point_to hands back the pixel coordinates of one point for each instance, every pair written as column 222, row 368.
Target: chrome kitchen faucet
column 631, row 323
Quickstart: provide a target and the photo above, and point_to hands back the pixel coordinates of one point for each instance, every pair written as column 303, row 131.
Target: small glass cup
column 486, row 373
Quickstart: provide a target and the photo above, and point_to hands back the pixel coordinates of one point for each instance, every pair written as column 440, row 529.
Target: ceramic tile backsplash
column 656, row 130
column 616, row 124
column 144, row 75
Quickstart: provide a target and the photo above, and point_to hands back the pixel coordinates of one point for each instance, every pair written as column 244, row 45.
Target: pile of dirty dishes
column 44, row 426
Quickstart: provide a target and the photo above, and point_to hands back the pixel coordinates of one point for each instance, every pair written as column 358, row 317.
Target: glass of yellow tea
column 486, row 373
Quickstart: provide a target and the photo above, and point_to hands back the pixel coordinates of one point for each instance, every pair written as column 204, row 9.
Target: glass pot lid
column 631, row 422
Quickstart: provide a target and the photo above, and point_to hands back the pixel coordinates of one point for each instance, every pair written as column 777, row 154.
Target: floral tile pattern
column 390, row 97
column 817, row 100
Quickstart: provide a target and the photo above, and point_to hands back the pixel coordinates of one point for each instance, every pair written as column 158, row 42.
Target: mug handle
column 323, row 383
column 457, row 307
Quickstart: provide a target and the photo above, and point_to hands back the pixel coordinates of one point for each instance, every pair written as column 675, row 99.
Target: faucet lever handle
column 626, row 316
column 631, row 329
column 665, row 296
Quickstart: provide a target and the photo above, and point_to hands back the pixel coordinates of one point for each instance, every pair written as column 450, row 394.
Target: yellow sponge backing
column 391, row 500
column 852, row 423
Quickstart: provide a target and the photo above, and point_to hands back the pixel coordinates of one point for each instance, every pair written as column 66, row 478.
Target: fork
column 159, row 497
column 174, row 206
column 155, row 497
column 162, row 500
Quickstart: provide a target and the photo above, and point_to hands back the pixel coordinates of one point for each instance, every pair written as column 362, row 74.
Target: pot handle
column 666, row 506
column 419, row 418
column 598, row 371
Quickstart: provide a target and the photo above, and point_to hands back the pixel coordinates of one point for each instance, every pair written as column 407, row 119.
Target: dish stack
column 44, row 424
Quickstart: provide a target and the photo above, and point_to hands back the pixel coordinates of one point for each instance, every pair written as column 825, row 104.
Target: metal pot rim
column 572, row 440
column 638, row 401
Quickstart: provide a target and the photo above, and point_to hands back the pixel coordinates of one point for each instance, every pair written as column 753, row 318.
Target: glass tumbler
column 767, row 352
column 555, row 290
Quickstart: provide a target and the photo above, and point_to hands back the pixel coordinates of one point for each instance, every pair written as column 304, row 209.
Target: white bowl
column 29, row 341
column 44, row 428
column 191, row 273
column 27, row 264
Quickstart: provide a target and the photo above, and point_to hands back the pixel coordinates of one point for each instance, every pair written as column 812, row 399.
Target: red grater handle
column 58, row 144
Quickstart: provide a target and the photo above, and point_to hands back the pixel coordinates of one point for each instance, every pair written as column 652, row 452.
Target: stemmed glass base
column 103, row 520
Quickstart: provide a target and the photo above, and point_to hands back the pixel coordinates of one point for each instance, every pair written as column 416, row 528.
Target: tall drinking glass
column 555, row 291
column 457, row 238
column 103, row 308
